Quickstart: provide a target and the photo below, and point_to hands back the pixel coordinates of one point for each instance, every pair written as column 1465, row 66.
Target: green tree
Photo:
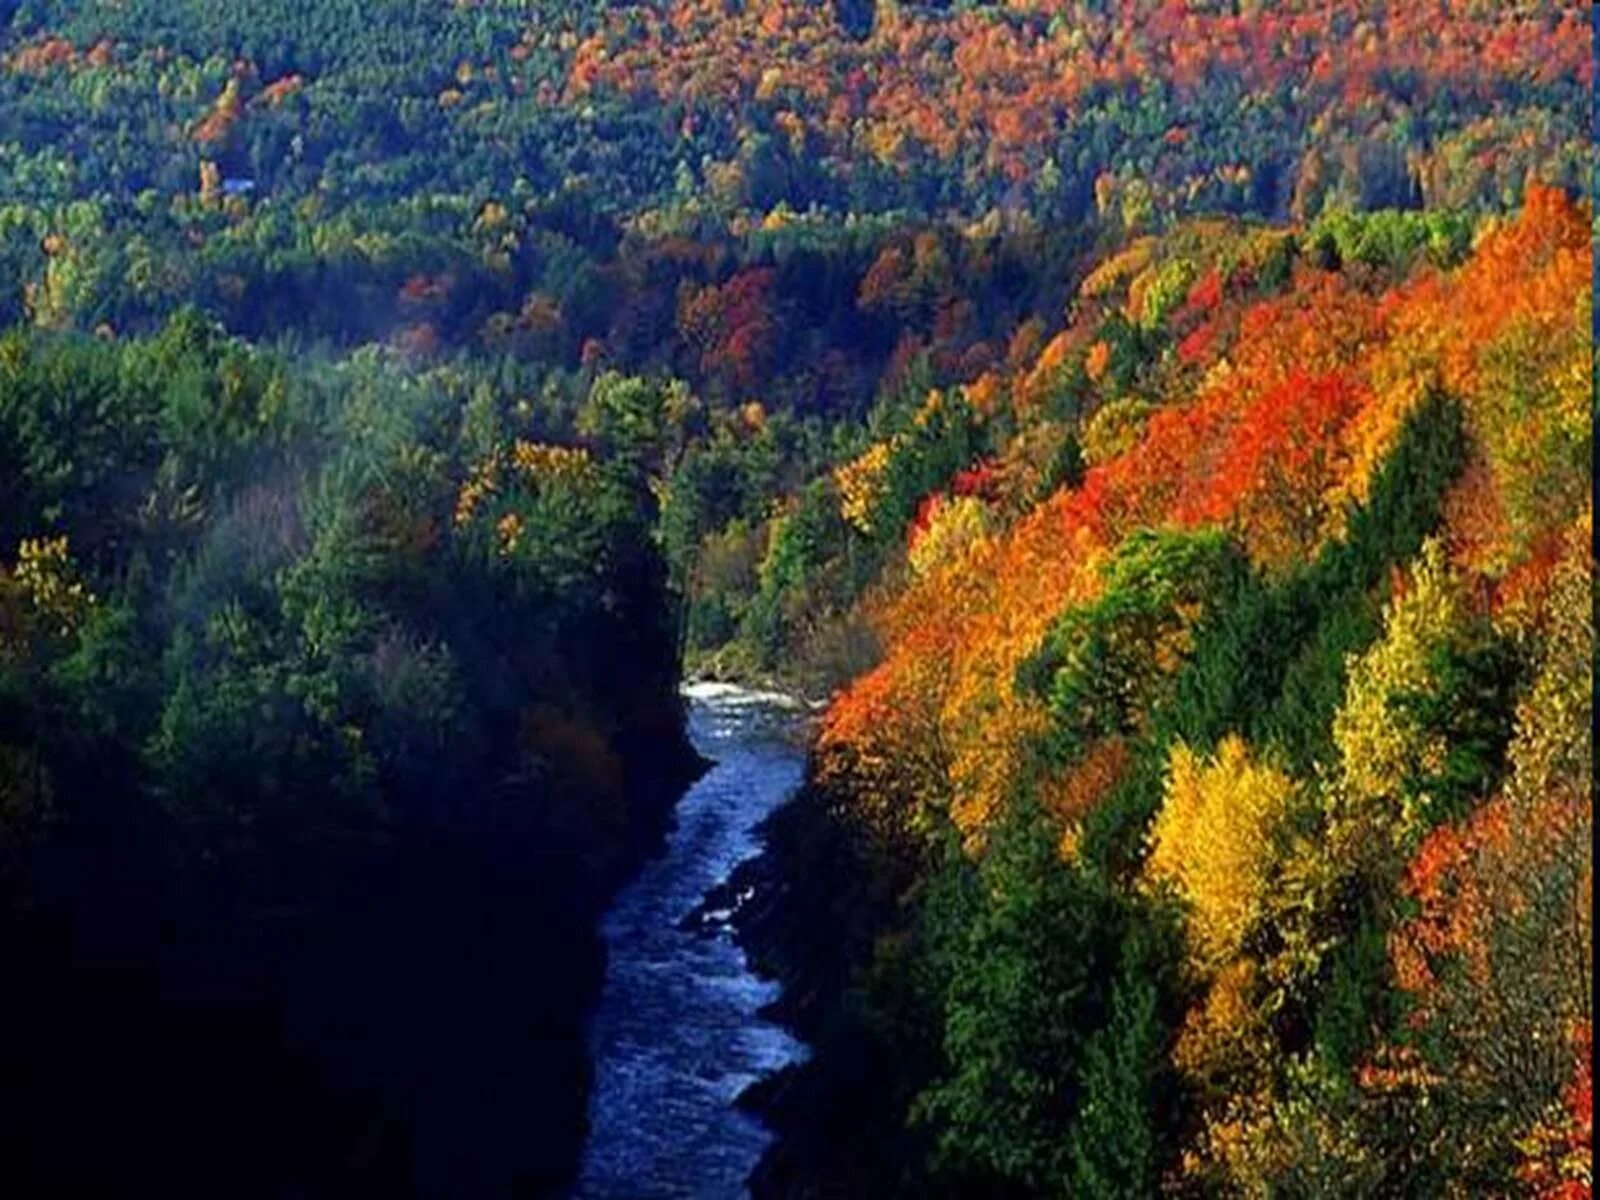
column 1027, row 987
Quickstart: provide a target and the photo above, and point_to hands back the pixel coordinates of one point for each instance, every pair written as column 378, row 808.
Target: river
column 676, row 1035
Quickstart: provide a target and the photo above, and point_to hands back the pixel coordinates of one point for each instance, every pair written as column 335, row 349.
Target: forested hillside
column 1160, row 432
column 347, row 171
column 1236, row 793
column 320, row 691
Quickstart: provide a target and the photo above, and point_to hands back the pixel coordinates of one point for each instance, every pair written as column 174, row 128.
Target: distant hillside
column 381, row 140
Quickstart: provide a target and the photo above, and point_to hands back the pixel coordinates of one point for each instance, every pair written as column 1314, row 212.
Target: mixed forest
column 1160, row 431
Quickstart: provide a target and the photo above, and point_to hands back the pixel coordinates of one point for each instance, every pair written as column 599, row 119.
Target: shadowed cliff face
column 379, row 1015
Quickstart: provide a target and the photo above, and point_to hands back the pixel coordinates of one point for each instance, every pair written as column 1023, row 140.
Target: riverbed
column 677, row 1033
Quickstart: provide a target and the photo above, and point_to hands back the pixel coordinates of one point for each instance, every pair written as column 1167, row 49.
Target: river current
column 676, row 1035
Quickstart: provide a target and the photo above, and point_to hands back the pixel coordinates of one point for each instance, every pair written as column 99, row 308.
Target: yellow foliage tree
column 956, row 525
column 1224, row 1041
column 860, row 483
column 1381, row 744
column 1213, row 843
column 59, row 599
column 1114, row 429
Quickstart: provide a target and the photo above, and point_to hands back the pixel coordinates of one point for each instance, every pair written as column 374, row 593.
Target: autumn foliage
column 1447, row 786
column 998, row 84
column 1156, row 433
column 1279, row 436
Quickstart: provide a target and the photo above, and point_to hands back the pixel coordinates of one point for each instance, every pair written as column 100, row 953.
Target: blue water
column 675, row 1037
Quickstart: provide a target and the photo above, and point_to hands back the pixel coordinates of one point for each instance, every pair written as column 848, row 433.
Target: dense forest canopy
column 1219, row 729
column 1161, row 431
column 293, row 166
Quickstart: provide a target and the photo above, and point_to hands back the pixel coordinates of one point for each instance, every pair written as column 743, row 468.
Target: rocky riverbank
column 814, row 903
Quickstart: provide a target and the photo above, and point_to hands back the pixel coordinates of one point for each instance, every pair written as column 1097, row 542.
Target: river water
column 676, row 1036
